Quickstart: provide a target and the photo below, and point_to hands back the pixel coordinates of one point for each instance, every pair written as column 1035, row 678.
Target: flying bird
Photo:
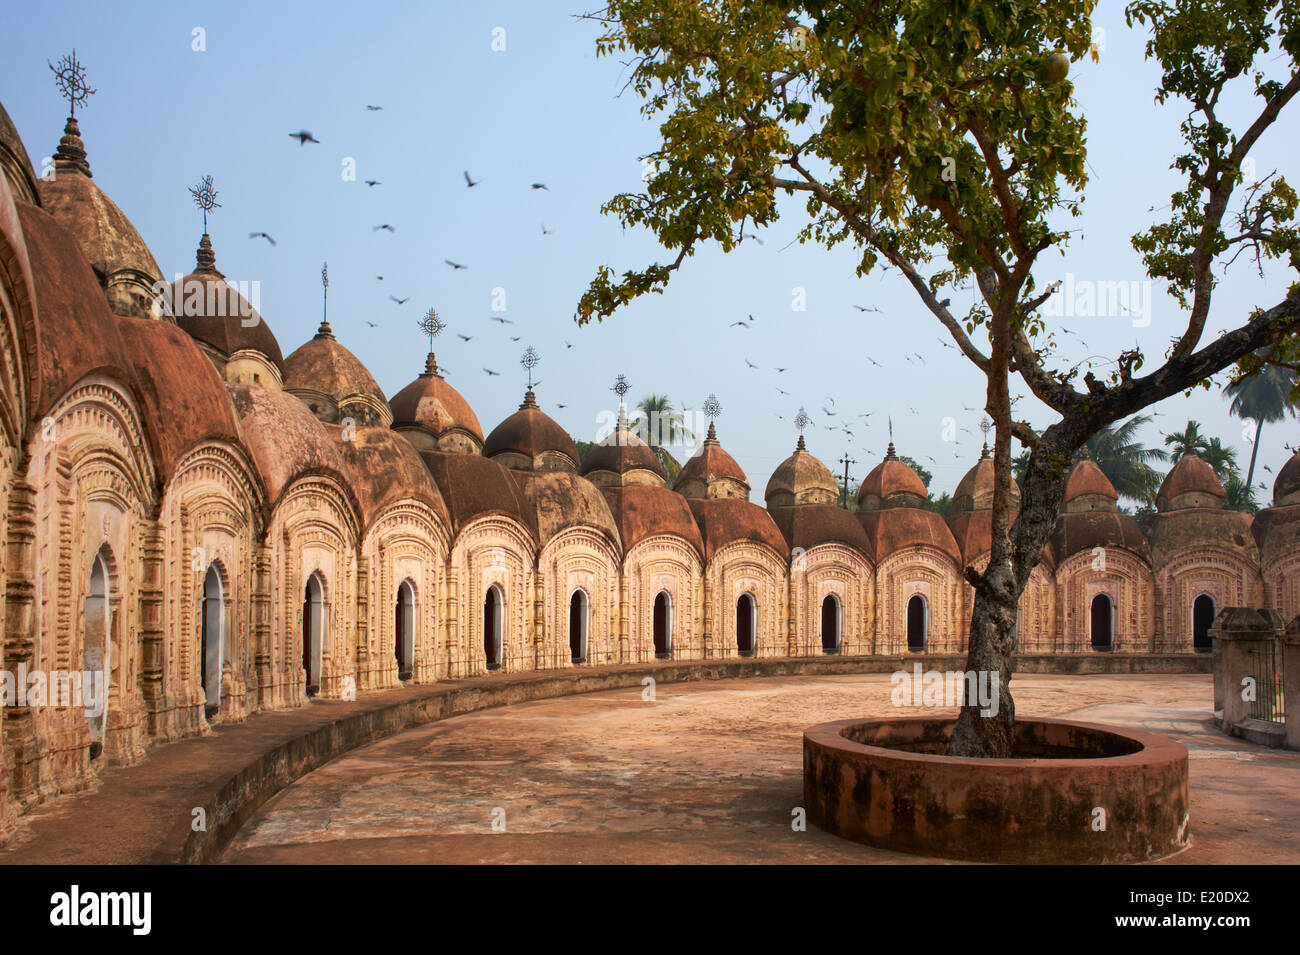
column 379, row 278
column 373, row 108
column 744, row 236
column 560, row 404
column 741, row 324
column 863, row 308
column 827, row 411
column 470, row 183
column 261, row 235
column 491, row 372
column 514, row 338
column 503, row 321
column 400, row 301
column 780, row 369
column 372, row 324
column 373, row 182
column 304, row 137
column 918, row 357
column 540, row 185
column 546, row 231
column 782, row 390
column 874, row 362
column 385, row 227
column 750, row 363
column 567, row 344
column 465, row 337
column 455, row 265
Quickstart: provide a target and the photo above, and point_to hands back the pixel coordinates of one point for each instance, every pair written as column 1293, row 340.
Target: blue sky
column 546, row 110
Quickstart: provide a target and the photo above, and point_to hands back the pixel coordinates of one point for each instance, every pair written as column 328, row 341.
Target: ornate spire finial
column 205, row 197
column 712, row 410
column 432, row 326
column 325, row 331
column 528, row 361
column 621, row 387
column 205, row 260
column 801, row 421
column 70, row 76
column 985, row 426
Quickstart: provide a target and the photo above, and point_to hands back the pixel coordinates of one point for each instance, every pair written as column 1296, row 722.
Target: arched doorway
column 96, row 650
column 1102, row 619
column 404, row 630
column 1202, row 618
column 212, row 641
column 313, row 632
column 746, row 624
column 831, row 624
column 579, row 614
column 918, row 623
column 663, row 626
column 492, row 614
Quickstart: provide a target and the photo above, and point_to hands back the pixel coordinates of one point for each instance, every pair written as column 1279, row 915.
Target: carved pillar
column 624, row 641
column 367, row 676
column 539, row 623
column 453, row 623
column 20, row 744
column 260, row 635
column 153, row 649
column 707, row 605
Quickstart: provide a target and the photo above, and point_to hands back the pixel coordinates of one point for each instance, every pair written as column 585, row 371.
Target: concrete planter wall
column 859, row 784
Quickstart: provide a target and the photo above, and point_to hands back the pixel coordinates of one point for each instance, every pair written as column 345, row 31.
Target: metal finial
column 70, row 75
column 621, row 387
column 985, row 425
column 325, row 275
column 801, row 420
column 432, row 326
column 530, row 360
column 712, row 407
column 205, row 197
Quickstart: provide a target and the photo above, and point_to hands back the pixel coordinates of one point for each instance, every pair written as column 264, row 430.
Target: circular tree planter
column 1077, row 793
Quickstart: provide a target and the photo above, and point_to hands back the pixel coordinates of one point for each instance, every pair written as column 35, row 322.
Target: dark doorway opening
column 313, row 621
column 1102, row 616
column 404, row 630
column 1202, row 618
column 492, row 627
column 663, row 626
column 746, row 624
column 578, row 613
column 830, row 624
column 916, row 623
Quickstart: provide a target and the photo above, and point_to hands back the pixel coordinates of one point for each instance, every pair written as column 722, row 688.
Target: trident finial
column 205, row 197
column 530, row 360
column 621, row 387
column 70, row 75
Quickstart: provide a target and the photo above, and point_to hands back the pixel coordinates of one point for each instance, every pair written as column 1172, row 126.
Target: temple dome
column 561, row 500
column 122, row 262
column 1190, row 483
column 1286, row 489
column 975, row 490
column 801, row 479
column 531, row 440
column 334, row 383
column 623, row 459
column 712, row 473
column 238, row 339
column 433, row 415
column 1088, row 489
column 891, row 483
column 15, row 165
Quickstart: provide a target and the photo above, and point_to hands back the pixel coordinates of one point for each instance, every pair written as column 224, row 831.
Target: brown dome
column 561, row 499
column 334, row 383
column 1190, row 483
column 1082, row 531
column 284, row 440
column 724, row 521
column 891, row 483
column 801, row 479
column 214, row 312
column 643, row 511
column 385, row 469
column 122, row 262
column 531, row 440
column 1088, row 489
column 1286, row 489
column 622, row 458
column 15, row 166
column 975, row 490
column 1182, row 529
column 712, row 472
column 474, row 487
column 807, row 525
column 892, row 529
column 430, row 404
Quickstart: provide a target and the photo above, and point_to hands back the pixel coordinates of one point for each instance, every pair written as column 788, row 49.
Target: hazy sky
column 545, row 110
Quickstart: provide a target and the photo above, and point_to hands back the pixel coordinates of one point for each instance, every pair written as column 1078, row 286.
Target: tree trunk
column 1250, row 475
column 980, row 732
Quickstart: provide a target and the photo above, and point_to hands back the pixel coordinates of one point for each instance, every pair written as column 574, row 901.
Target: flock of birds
column 304, row 136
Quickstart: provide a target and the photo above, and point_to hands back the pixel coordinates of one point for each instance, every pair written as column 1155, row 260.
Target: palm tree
column 1190, row 441
column 1123, row 459
column 1241, row 496
column 661, row 424
column 1222, row 458
column 1265, row 396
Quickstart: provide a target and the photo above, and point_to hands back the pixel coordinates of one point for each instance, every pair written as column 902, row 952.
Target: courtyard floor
column 709, row 773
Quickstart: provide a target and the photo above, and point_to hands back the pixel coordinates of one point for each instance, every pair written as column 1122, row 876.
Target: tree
column 1125, row 460
column 1241, row 495
column 1263, row 396
column 1188, row 441
column 660, row 424
column 932, row 136
column 1222, row 458
column 925, row 476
